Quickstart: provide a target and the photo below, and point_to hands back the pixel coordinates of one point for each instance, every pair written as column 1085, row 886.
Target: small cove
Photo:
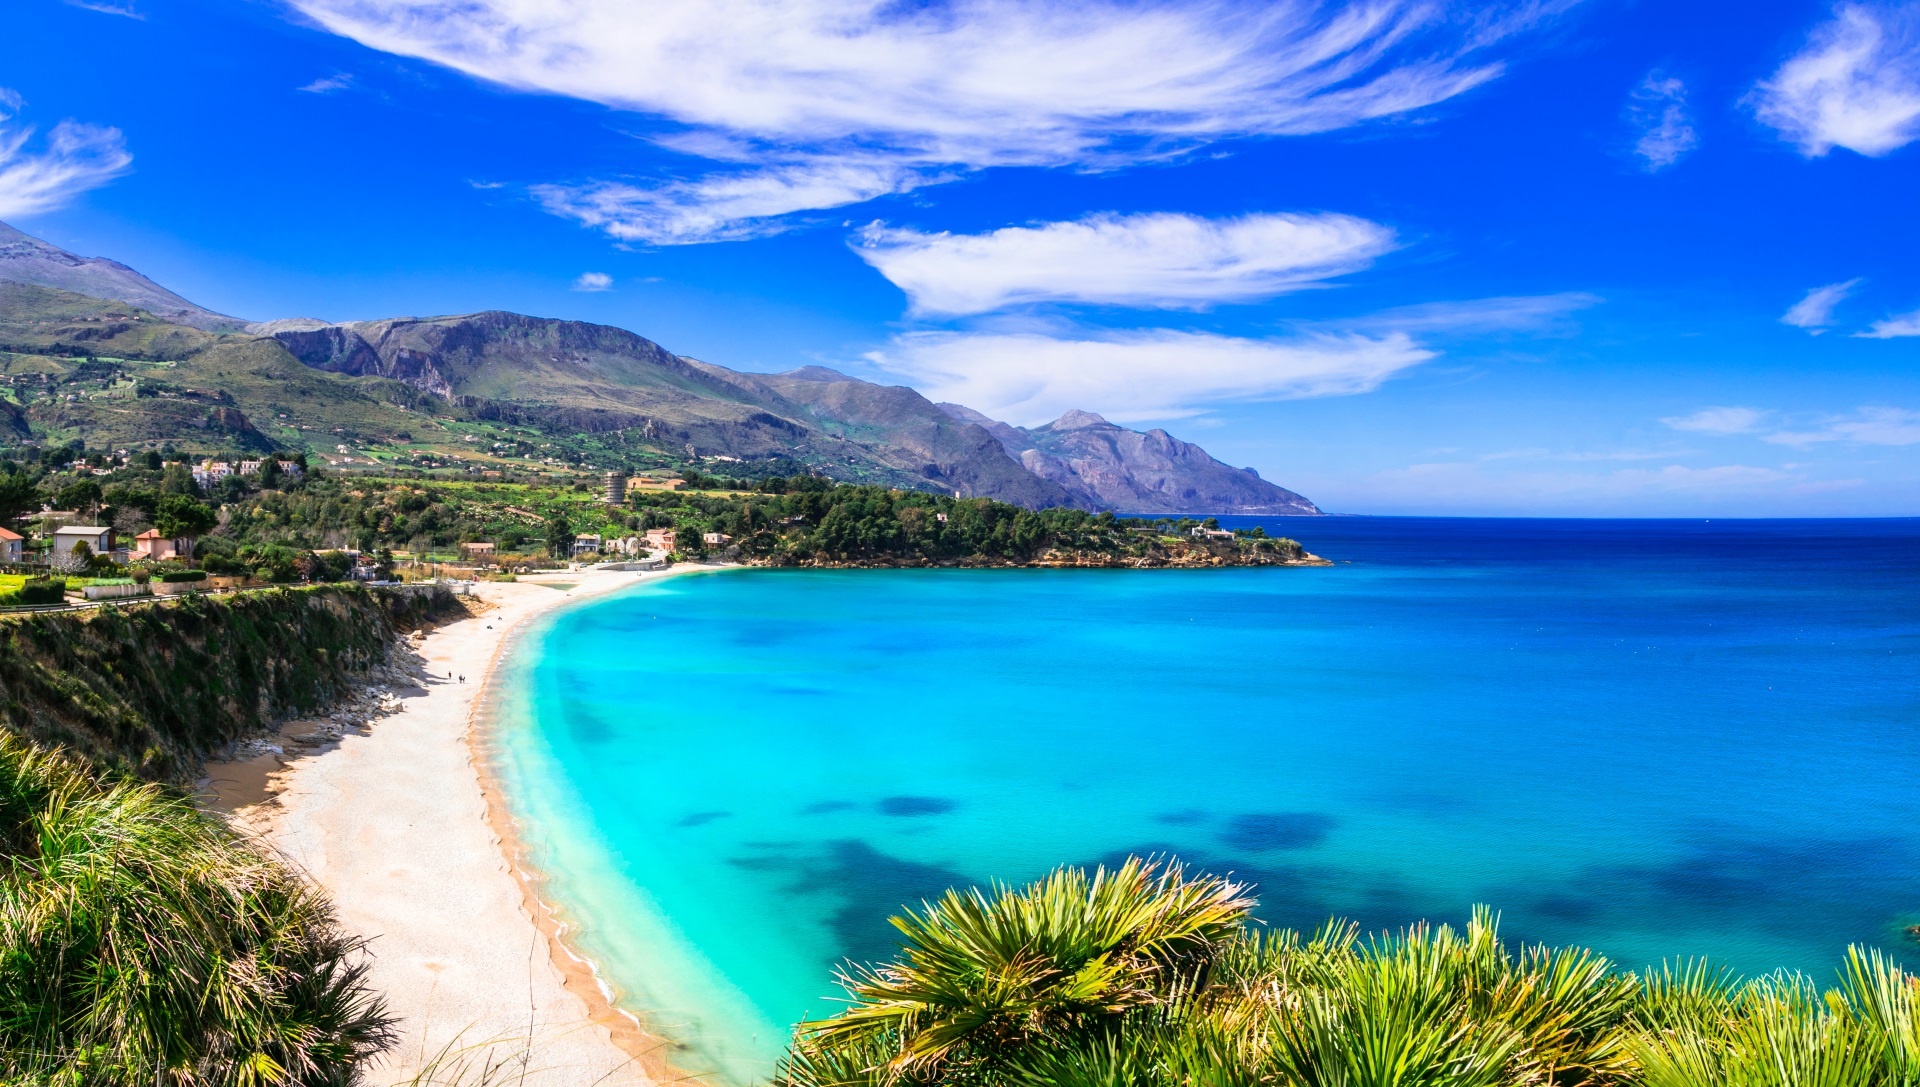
column 1655, row 738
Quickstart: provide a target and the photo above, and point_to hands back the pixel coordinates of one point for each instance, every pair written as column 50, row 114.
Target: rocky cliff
column 1105, row 466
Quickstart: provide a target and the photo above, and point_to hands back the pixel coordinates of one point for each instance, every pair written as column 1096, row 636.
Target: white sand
column 394, row 825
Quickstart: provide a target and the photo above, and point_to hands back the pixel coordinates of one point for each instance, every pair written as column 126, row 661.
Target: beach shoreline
column 403, row 824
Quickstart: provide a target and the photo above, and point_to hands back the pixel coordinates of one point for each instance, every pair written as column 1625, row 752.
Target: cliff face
column 27, row 259
column 1106, row 466
column 152, row 689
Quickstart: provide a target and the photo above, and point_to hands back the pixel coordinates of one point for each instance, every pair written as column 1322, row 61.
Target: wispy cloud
column 1872, row 425
column 1867, row 426
column 1030, row 378
column 338, row 81
column 1889, row 328
column 1658, row 109
column 725, row 207
column 1721, row 421
column 74, row 158
column 1815, row 312
column 1535, row 313
column 1158, row 261
column 781, row 90
column 123, row 10
column 1485, row 486
column 1856, row 83
column 593, row 281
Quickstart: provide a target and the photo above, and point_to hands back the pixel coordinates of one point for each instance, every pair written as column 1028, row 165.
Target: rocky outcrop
column 1111, row 467
column 26, row 259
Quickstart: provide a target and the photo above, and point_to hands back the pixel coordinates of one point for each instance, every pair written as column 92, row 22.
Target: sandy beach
column 396, row 822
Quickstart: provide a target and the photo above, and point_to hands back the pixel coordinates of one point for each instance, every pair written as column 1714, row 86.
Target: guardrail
column 457, row 588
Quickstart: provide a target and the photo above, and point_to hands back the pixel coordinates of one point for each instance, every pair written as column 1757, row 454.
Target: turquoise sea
column 1657, row 738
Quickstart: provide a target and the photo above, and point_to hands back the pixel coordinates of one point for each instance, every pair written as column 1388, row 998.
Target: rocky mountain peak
column 1077, row 419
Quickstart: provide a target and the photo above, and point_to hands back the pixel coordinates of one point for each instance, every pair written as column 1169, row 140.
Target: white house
column 586, row 545
column 98, row 538
column 10, row 546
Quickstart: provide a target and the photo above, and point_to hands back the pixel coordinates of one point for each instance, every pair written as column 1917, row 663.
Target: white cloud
column 1160, row 260
column 1815, row 312
column 338, row 81
column 1867, row 426
column 593, row 281
column 1030, row 378
column 76, row 157
column 921, row 93
column 1889, row 328
column 724, row 207
column 1721, row 421
column 1856, row 84
column 1659, row 110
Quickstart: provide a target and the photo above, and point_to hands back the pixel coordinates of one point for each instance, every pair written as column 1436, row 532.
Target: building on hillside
column 1213, row 533
column 586, row 545
column 98, row 538
column 250, row 467
column 715, row 539
column 209, row 472
column 155, row 547
column 12, row 546
column 660, row 539
column 478, row 549
column 647, row 483
column 616, row 488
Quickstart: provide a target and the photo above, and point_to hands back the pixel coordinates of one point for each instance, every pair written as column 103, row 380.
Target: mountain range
column 93, row 349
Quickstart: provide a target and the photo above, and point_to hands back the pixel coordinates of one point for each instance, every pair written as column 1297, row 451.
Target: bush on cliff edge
column 142, row 943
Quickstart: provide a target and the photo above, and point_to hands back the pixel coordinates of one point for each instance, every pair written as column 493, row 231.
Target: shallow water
column 1655, row 738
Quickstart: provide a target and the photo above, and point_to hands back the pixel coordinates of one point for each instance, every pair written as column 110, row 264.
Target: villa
column 153, row 546
column 209, row 472
column 586, row 545
column 660, row 539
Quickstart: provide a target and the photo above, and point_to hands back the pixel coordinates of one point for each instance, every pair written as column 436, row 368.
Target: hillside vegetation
column 777, row 521
column 152, row 689
column 143, row 944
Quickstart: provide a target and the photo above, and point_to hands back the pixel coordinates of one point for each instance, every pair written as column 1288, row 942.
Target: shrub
column 175, row 577
column 41, row 590
column 1142, row 977
column 223, row 565
column 145, row 944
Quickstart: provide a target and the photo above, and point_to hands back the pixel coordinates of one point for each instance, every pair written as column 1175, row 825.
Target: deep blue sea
column 1657, row 738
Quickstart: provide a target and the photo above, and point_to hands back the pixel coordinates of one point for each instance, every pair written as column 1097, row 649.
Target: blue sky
column 1549, row 257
